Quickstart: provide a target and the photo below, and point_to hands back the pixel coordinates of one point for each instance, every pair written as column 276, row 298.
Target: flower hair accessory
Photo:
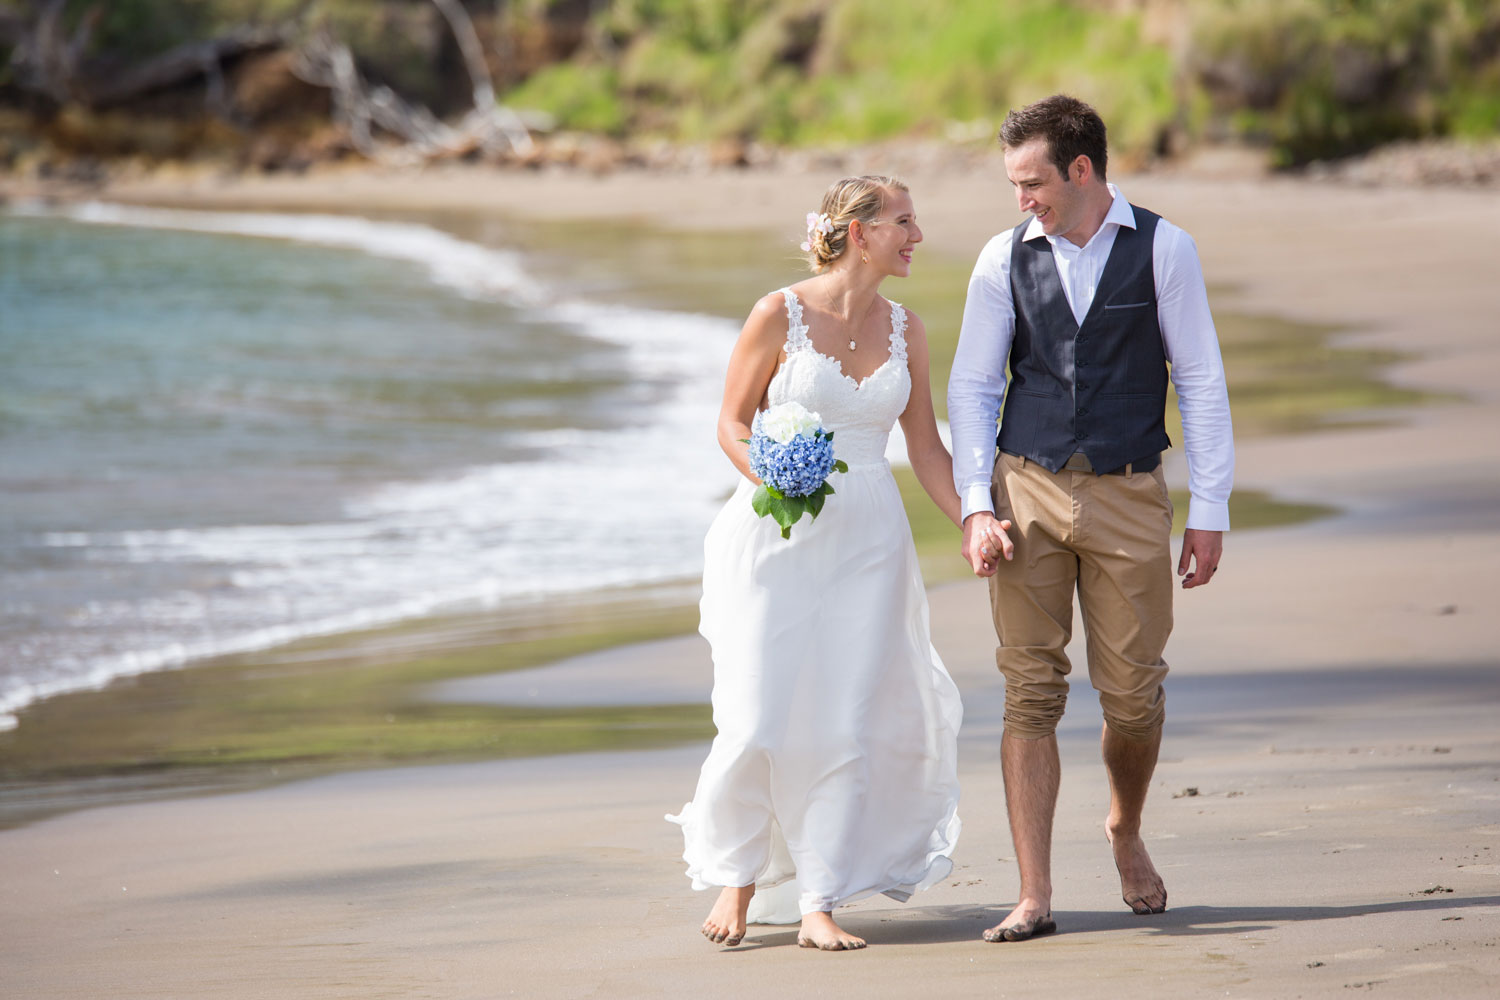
column 816, row 224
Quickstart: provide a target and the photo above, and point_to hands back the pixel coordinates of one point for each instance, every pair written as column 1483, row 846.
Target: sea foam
column 594, row 508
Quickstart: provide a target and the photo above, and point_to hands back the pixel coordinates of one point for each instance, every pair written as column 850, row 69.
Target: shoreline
column 414, row 195
column 1324, row 812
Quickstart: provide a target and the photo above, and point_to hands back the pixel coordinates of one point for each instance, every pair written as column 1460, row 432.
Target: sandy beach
column 1326, row 813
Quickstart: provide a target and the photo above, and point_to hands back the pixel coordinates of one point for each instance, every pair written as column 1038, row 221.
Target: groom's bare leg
column 726, row 921
column 1130, row 764
column 1032, row 773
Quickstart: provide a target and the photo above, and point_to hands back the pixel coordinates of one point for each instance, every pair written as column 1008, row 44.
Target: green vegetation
column 1309, row 78
column 139, row 27
column 799, row 72
column 1322, row 78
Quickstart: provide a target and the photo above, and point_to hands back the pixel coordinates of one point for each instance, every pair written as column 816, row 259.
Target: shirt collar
column 1120, row 214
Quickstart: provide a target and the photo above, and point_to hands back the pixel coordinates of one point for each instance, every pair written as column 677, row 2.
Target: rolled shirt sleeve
column 1192, row 347
column 976, row 384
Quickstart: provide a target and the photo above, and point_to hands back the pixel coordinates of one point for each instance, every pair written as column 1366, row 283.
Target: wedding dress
column 834, row 772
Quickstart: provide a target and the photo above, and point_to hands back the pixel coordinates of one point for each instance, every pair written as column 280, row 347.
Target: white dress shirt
column 976, row 387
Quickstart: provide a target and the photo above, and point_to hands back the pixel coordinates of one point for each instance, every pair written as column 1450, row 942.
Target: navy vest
column 1100, row 387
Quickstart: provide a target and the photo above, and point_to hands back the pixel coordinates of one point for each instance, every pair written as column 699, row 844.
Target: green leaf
column 841, row 466
column 826, row 490
column 761, row 501
column 786, row 511
column 815, row 503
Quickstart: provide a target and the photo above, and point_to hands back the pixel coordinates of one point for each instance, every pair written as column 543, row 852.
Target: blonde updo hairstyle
column 845, row 200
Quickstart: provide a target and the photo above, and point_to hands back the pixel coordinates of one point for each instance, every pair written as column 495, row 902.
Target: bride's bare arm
column 924, row 446
column 753, row 362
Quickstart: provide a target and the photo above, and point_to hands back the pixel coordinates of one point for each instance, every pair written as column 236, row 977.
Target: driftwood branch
column 184, row 63
column 46, row 60
column 13, row 27
column 469, row 46
column 323, row 61
column 496, row 127
column 44, row 56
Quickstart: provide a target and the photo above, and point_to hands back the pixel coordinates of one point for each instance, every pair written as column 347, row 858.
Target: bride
column 834, row 772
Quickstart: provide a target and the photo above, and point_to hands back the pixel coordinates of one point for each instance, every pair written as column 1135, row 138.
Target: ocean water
column 220, row 432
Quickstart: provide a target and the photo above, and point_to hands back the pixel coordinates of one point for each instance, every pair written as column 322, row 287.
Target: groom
column 1089, row 302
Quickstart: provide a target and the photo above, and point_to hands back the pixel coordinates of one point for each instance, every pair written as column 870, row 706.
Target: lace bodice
column 860, row 414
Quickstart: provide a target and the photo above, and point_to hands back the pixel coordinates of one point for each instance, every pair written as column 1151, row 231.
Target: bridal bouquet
column 793, row 457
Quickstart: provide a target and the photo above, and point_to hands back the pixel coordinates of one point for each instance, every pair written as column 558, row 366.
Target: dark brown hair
column 1071, row 128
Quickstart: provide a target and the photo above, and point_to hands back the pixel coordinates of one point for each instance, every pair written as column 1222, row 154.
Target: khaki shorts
column 1109, row 538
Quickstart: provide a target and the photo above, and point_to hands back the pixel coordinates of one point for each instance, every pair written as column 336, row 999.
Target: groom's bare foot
column 726, row 921
column 1031, row 918
column 819, row 931
column 1140, row 885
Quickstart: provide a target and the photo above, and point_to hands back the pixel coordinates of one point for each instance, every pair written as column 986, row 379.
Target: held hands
column 986, row 542
column 1203, row 548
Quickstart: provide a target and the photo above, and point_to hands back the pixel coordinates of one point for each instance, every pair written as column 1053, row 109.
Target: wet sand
column 1326, row 813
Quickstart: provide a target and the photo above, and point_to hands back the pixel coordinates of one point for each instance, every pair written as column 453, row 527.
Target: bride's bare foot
column 1031, row 918
column 726, row 921
column 819, row 931
column 1140, row 886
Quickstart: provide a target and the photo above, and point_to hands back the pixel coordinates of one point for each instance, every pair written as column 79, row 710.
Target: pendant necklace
column 834, row 311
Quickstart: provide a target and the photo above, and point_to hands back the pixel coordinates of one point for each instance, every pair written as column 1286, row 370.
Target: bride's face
column 892, row 237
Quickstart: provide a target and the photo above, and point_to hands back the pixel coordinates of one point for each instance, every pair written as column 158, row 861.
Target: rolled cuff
column 1207, row 515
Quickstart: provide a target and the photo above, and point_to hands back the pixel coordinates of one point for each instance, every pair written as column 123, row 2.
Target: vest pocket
column 1126, row 305
column 1128, row 409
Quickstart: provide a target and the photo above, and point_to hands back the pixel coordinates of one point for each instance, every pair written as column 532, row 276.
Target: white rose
column 785, row 421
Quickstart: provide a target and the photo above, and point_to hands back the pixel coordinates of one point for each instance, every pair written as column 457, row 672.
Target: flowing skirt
column 834, row 772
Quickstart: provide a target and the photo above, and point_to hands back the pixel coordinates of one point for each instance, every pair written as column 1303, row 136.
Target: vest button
column 1082, row 412
column 1083, row 385
column 1080, row 363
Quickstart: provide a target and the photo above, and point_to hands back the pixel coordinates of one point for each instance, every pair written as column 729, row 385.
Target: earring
column 863, row 258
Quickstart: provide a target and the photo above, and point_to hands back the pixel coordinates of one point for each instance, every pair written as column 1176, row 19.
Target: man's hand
column 985, row 542
column 1203, row 548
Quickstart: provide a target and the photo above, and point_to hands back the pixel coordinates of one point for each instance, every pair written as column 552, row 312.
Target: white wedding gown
column 834, row 772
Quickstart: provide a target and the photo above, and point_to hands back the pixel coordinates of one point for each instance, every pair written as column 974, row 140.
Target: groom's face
column 1056, row 201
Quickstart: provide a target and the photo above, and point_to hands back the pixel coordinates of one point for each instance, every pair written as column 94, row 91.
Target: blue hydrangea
column 795, row 469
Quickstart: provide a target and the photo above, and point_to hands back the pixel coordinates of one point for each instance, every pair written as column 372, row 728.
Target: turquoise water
column 220, row 432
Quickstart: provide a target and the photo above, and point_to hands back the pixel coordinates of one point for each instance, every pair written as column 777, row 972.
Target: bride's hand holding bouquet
column 792, row 456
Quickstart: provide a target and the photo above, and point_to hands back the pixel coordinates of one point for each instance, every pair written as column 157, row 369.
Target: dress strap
column 796, row 330
column 898, row 331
